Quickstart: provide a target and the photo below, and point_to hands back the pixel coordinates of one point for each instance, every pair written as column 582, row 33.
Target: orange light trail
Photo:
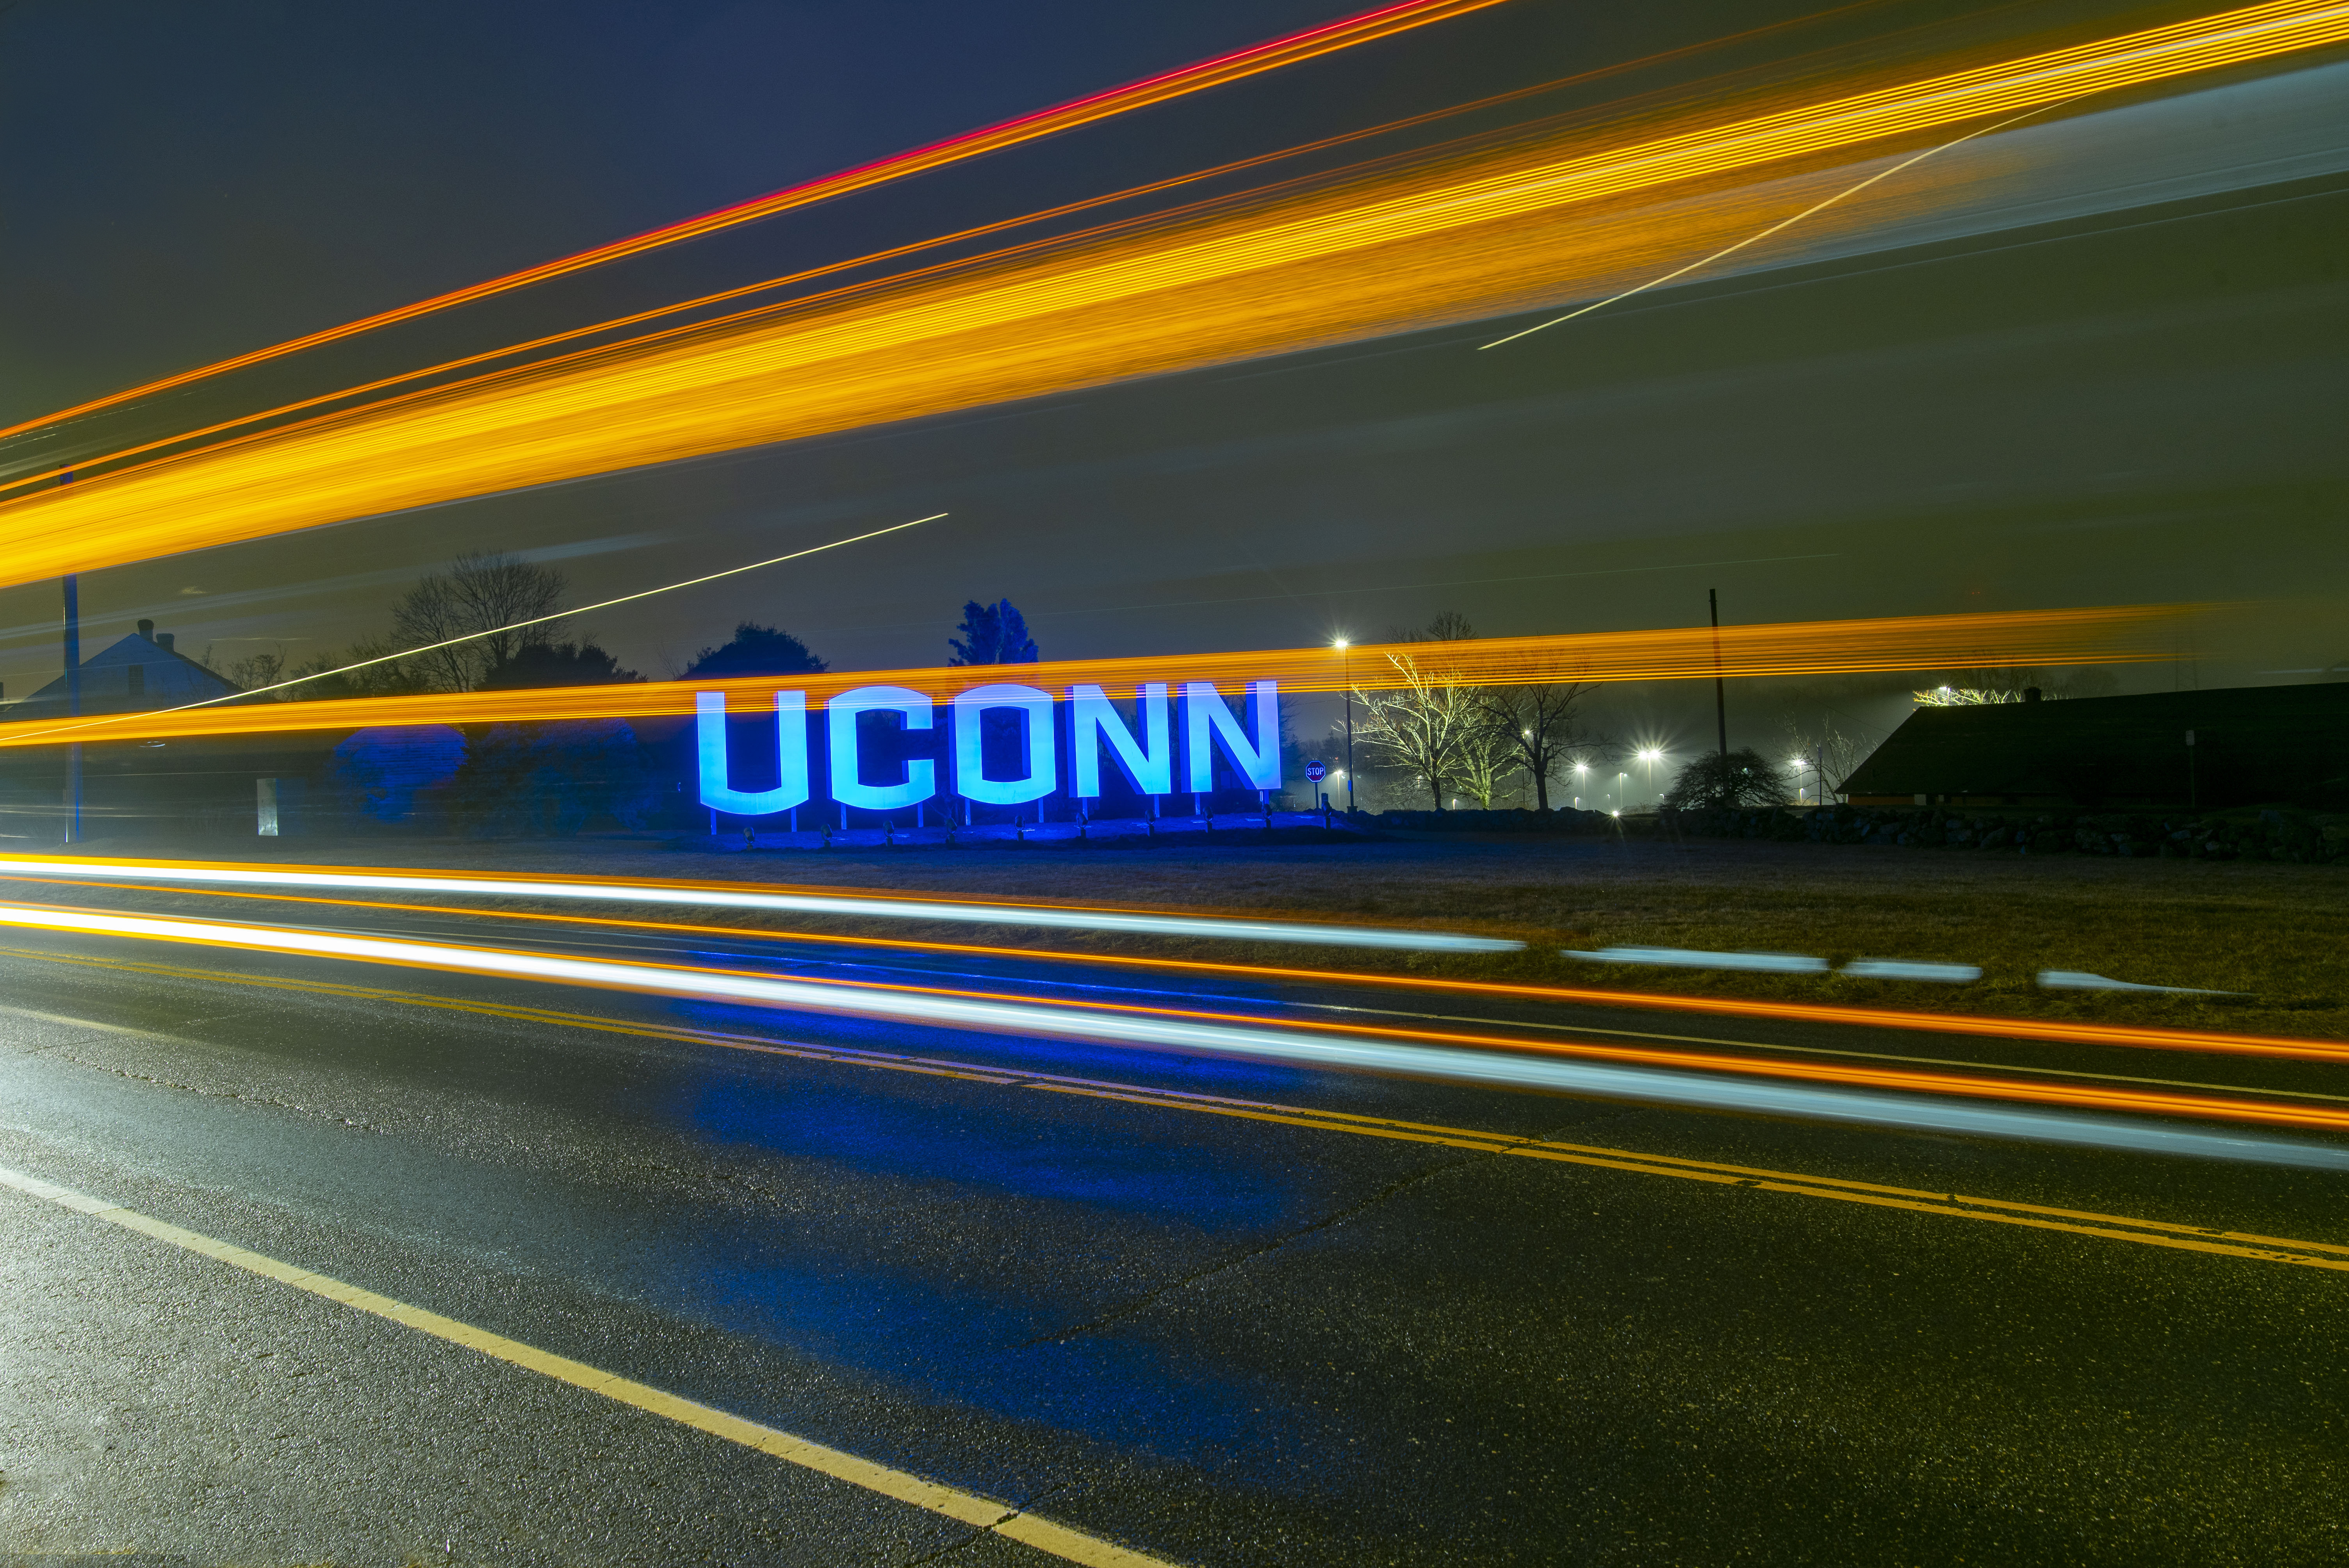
column 2056, row 1031
column 1900, row 1079
column 2107, row 635
column 83, row 466
column 1456, row 238
column 995, row 1012
column 1295, row 48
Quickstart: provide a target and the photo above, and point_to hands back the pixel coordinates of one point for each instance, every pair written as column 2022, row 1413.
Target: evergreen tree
column 755, row 650
column 993, row 633
column 557, row 664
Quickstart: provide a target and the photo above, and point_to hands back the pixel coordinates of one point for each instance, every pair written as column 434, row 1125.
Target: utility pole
column 1345, row 678
column 73, row 706
column 1720, row 688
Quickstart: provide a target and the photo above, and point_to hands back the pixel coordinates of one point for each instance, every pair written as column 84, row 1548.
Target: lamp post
column 1581, row 769
column 1345, row 675
column 72, row 654
column 1651, row 756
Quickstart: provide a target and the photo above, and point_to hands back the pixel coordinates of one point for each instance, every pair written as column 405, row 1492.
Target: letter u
column 790, row 756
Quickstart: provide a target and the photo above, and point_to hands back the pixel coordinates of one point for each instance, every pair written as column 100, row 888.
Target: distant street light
column 1651, row 756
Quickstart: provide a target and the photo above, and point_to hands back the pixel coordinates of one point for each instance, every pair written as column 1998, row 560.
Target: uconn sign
column 1005, row 744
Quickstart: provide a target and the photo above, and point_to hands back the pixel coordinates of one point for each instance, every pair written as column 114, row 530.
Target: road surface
column 1193, row 1308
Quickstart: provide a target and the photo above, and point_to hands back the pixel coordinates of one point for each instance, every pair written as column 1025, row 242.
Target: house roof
column 2252, row 743
column 167, row 678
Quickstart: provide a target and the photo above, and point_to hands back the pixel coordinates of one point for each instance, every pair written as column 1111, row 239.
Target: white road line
column 1038, row 915
column 964, row 1507
column 1674, row 1085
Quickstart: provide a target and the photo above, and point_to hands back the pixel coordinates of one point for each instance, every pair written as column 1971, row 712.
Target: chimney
column 147, row 630
column 163, row 641
column 2030, row 694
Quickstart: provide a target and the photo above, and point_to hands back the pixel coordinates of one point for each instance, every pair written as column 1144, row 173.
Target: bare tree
column 480, row 594
column 379, row 674
column 429, row 613
column 1428, row 727
column 1487, row 756
column 1448, row 627
column 1443, row 731
column 257, row 670
column 1542, row 728
column 1824, row 740
column 1985, row 687
column 1422, row 724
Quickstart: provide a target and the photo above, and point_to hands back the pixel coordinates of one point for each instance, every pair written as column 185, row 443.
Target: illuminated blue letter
column 1149, row 767
column 791, row 756
column 1036, row 713
column 1204, row 710
column 848, row 786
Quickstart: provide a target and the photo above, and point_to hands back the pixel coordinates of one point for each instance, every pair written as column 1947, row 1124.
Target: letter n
column 1208, row 722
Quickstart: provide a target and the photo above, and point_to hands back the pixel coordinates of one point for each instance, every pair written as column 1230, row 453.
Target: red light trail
column 1384, row 22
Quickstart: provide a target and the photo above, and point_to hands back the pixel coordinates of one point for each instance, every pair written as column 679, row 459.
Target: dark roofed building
column 2248, row 746
column 142, row 671
column 230, row 784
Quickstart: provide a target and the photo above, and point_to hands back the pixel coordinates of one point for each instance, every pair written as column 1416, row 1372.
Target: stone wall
column 2309, row 837
column 1517, row 820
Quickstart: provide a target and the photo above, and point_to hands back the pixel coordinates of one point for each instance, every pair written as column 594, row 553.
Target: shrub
column 1716, row 782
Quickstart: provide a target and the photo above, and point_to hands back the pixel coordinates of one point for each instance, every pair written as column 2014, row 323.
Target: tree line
column 492, row 622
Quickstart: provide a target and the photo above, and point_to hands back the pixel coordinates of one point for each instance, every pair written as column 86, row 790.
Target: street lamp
column 1581, row 768
column 1651, row 756
column 1345, row 675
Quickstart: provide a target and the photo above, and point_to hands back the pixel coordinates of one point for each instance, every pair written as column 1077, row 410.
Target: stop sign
column 1314, row 772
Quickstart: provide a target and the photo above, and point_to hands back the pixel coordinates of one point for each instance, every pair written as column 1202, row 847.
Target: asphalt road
column 1209, row 1333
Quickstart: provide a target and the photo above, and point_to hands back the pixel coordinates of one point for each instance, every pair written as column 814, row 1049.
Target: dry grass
column 2277, row 934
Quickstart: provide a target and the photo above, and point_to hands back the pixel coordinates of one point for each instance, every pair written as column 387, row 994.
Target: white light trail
column 794, row 902
column 1697, row 958
column 513, row 626
column 1779, row 227
column 2081, row 980
column 1274, row 1045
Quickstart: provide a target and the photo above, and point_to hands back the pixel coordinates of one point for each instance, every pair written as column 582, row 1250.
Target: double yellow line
column 1947, row 1205
column 979, row 1513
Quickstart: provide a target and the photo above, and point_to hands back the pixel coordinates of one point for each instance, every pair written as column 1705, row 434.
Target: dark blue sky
column 2072, row 395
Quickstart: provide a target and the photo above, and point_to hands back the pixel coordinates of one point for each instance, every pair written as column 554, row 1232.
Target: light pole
column 1345, row 669
column 72, row 654
column 1651, row 756
column 1720, row 691
column 1580, row 771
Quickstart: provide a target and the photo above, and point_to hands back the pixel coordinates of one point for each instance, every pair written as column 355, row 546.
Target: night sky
column 2096, row 360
